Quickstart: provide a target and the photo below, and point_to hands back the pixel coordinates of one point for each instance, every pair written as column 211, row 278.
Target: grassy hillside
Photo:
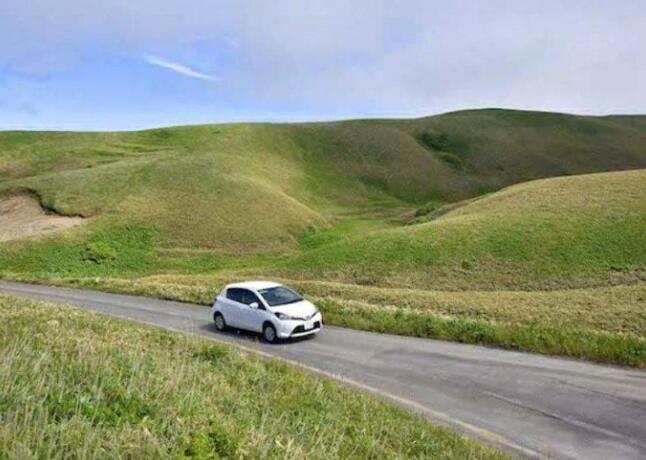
column 256, row 188
column 78, row 385
column 462, row 154
column 423, row 209
column 562, row 232
column 198, row 187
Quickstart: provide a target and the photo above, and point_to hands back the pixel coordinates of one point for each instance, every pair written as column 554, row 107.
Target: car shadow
column 248, row 336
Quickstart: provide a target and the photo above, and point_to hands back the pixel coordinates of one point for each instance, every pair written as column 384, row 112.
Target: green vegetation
column 249, row 188
column 400, row 226
column 436, row 141
column 564, row 232
column 598, row 324
column 561, row 339
column 78, row 385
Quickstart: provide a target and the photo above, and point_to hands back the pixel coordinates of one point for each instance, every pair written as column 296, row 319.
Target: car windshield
column 279, row 295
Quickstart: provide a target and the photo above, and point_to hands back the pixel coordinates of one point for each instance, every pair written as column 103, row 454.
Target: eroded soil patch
column 22, row 216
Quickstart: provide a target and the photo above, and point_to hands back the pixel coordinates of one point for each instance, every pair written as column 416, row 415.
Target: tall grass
column 78, row 385
column 565, row 340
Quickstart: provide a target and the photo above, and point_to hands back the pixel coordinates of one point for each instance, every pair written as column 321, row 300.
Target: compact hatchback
column 274, row 310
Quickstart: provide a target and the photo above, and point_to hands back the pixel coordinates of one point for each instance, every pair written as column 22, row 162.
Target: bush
column 435, row 140
column 440, row 142
column 428, row 208
column 452, row 159
column 466, row 265
column 98, row 252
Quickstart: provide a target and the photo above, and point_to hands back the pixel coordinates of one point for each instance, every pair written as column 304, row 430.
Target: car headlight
column 280, row 315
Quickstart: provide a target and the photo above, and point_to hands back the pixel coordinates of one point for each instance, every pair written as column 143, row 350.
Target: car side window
column 249, row 297
column 234, row 294
column 243, row 296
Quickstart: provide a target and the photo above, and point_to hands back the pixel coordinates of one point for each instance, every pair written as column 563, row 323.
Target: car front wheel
column 220, row 323
column 269, row 333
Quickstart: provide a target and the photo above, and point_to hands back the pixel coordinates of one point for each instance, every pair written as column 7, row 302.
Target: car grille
column 301, row 328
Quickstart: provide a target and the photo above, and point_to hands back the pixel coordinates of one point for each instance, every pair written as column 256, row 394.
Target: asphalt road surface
column 528, row 404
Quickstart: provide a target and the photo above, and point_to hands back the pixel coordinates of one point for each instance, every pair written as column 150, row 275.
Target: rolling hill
column 566, row 231
column 250, row 188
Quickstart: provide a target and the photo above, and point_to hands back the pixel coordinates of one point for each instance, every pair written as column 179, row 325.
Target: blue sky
column 116, row 64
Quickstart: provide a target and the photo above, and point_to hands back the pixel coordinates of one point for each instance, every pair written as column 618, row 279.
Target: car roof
column 254, row 285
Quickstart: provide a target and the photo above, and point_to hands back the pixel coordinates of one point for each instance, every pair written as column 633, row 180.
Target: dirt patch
column 22, row 216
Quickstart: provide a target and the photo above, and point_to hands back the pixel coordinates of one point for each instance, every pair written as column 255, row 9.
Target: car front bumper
column 297, row 328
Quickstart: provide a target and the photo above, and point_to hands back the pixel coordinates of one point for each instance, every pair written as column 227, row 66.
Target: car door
column 233, row 308
column 252, row 318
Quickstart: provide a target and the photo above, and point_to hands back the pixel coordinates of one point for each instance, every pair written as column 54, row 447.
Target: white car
column 274, row 310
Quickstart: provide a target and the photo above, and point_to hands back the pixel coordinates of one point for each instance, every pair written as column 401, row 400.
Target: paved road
column 530, row 404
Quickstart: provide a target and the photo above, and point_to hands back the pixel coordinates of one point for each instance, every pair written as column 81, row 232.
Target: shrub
column 435, row 140
column 452, row 159
column 467, row 265
column 99, row 252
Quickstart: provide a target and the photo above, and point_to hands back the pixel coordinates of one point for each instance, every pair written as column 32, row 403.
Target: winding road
column 532, row 405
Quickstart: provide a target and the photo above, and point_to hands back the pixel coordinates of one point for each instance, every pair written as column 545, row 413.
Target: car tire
column 220, row 323
column 269, row 333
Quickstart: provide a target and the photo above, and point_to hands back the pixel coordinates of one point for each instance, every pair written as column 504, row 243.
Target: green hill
column 573, row 231
column 255, row 187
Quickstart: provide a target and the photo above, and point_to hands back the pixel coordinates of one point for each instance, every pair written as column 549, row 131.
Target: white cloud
column 179, row 68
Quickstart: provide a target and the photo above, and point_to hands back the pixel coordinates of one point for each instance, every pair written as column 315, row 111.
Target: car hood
column 302, row 309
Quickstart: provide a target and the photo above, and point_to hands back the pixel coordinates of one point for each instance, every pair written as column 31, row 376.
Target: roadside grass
column 564, row 339
column 78, row 385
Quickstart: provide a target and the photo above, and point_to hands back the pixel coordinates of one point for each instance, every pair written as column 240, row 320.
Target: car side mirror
column 254, row 305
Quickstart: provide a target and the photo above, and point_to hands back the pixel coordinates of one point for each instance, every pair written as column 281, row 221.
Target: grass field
column 78, row 385
column 430, row 227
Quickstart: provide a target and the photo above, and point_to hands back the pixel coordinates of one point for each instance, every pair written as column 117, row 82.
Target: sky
column 132, row 64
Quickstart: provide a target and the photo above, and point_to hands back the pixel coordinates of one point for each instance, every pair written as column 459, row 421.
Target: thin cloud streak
column 178, row 68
